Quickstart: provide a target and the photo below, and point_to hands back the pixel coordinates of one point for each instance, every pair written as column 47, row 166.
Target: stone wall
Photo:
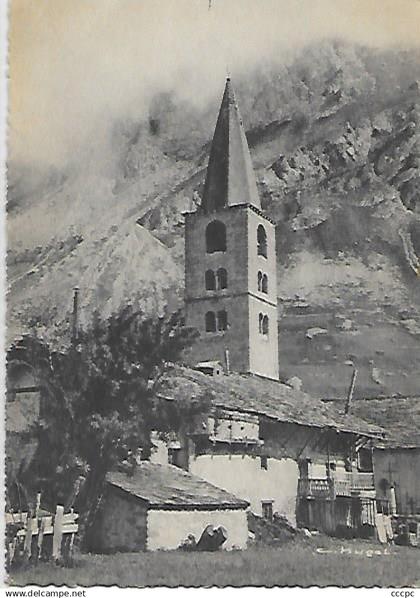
column 166, row 530
column 264, row 359
column 243, row 302
column 121, row 524
column 233, row 299
column 263, row 353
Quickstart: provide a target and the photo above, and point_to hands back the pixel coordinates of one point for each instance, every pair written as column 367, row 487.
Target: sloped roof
column 261, row 396
column 398, row 415
column 230, row 178
column 168, row 487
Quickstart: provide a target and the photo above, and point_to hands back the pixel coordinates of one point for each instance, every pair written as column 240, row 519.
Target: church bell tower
column 230, row 258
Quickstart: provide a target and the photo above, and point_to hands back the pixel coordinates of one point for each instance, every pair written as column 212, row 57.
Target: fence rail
column 43, row 536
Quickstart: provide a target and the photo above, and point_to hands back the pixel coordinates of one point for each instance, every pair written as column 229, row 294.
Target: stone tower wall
column 249, row 350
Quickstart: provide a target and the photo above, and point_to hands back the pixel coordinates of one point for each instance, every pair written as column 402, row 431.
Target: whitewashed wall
column 244, row 477
column 318, row 469
column 166, row 530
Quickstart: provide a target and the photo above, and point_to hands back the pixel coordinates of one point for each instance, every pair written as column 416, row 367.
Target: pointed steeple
column 230, row 176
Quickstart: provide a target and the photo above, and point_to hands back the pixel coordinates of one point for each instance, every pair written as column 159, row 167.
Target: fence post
column 27, row 546
column 57, row 533
column 41, row 530
column 68, row 550
column 12, row 544
column 38, row 504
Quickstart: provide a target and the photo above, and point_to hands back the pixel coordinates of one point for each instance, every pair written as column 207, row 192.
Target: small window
column 210, row 321
column 260, row 275
column 260, row 323
column 264, row 284
column 262, row 241
column 265, row 325
column 222, row 281
column 173, row 456
column 215, row 237
column 210, row 281
column 365, row 460
column 267, row 509
column 222, row 320
column 264, row 462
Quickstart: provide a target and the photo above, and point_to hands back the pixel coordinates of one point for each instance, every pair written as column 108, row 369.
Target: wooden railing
column 347, row 482
column 363, row 481
column 315, row 487
column 341, row 484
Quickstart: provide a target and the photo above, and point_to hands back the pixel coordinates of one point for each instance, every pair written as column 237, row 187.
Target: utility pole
column 350, row 392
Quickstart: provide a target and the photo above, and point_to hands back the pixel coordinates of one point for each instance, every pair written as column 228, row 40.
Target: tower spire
column 230, row 259
column 230, row 176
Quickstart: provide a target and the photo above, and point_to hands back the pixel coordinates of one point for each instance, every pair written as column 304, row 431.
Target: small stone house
column 159, row 506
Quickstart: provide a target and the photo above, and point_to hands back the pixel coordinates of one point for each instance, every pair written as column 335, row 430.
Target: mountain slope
column 335, row 142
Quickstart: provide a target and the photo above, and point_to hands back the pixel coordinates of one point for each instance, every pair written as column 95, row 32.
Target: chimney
column 227, row 361
column 350, row 392
column 75, row 315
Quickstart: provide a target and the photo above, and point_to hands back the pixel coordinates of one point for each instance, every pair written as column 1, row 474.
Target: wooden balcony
column 342, row 484
column 315, row 488
column 347, row 483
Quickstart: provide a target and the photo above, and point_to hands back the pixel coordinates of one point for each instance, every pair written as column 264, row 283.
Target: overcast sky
column 75, row 64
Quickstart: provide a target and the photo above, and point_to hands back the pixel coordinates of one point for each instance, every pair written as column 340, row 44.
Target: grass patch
column 318, row 561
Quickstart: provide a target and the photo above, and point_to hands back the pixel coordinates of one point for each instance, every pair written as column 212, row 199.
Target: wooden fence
column 41, row 536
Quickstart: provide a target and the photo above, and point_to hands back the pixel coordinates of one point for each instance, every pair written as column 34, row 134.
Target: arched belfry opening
column 222, row 279
column 210, row 280
column 262, row 241
column 210, row 321
column 215, row 236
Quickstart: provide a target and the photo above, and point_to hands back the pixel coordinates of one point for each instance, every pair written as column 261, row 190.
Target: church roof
column 230, row 176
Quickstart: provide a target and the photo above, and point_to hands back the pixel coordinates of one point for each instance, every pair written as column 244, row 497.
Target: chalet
column 396, row 458
column 276, row 447
column 157, row 507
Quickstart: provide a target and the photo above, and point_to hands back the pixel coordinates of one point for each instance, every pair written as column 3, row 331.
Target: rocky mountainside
column 335, row 140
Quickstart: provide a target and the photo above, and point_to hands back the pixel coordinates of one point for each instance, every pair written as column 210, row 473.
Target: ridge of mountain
column 335, row 144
